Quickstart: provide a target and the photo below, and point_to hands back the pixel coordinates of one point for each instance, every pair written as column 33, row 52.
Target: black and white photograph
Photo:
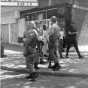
column 44, row 43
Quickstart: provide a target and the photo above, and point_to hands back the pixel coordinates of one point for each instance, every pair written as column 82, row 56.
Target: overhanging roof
column 30, row 11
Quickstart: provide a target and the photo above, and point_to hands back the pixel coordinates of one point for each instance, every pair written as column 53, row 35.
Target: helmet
column 53, row 19
column 33, row 24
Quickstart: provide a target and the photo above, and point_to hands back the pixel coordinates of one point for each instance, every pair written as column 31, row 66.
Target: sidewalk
column 70, row 67
column 14, row 47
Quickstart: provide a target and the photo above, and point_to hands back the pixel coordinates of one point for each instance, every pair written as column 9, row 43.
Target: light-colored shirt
column 54, row 29
column 61, row 34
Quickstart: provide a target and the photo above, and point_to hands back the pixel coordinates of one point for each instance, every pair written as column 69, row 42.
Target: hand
column 24, row 39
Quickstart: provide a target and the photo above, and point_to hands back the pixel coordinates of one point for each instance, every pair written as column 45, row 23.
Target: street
column 10, row 78
column 45, row 82
column 47, row 28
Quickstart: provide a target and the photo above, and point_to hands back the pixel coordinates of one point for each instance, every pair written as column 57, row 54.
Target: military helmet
column 53, row 19
column 33, row 24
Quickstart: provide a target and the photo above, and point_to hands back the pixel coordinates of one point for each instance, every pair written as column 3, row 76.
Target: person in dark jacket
column 71, row 39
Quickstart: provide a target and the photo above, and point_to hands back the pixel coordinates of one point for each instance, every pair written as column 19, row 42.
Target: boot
column 42, row 61
column 50, row 66
column 61, row 57
column 56, row 67
column 33, row 76
column 80, row 56
column 66, row 56
column 36, row 66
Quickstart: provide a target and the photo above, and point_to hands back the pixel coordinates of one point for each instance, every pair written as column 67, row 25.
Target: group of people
column 55, row 38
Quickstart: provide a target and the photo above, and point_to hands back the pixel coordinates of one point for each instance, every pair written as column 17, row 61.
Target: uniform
column 53, row 44
column 30, row 40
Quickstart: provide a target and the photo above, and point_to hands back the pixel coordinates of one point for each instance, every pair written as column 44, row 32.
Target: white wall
column 21, row 27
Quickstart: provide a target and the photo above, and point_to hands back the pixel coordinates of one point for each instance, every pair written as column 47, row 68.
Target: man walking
column 71, row 39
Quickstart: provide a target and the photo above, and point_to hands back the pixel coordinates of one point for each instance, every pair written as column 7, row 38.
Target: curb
column 47, row 73
column 64, row 74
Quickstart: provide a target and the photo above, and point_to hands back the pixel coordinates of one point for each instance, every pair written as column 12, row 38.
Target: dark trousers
column 2, row 50
column 31, row 57
column 60, row 47
column 74, row 43
column 39, row 46
column 52, row 53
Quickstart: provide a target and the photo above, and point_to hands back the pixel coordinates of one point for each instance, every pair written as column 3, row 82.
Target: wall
column 11, row 26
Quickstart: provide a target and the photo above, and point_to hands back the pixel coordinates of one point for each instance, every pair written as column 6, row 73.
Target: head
column 53, row 19
column 33, row 25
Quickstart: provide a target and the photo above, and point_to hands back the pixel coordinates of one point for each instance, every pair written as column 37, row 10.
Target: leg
column 36, row 60
column 29, row 63
column 2, row 51
column 67, row 50
column 50, row 57
column 32, row 74
column 60, row 48
column 76, row 47
column 56, row 65
column 41, row 53
column 56, row 61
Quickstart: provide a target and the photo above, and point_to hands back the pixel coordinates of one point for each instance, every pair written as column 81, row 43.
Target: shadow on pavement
column 48, row 73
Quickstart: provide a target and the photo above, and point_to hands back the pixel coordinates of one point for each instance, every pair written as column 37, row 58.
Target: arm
column 57, row 30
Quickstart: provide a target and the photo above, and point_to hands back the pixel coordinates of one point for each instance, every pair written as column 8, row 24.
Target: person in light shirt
column 61, row 42
column 54, row 34
column 40, row 43
column 45, row 40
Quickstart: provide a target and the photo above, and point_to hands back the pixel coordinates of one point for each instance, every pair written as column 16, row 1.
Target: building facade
column 13, row 27
column 11, row 24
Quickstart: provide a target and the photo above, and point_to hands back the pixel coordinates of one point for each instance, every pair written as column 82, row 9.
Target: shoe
column 45, row 55
column 29, row 77
column 61, row 57
column 36, row 66
column 66, row 57
column 50, row 66
column 2, row 56
column 42, row 62
column 56, row 67
column 81, row 57
column 32, row 76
